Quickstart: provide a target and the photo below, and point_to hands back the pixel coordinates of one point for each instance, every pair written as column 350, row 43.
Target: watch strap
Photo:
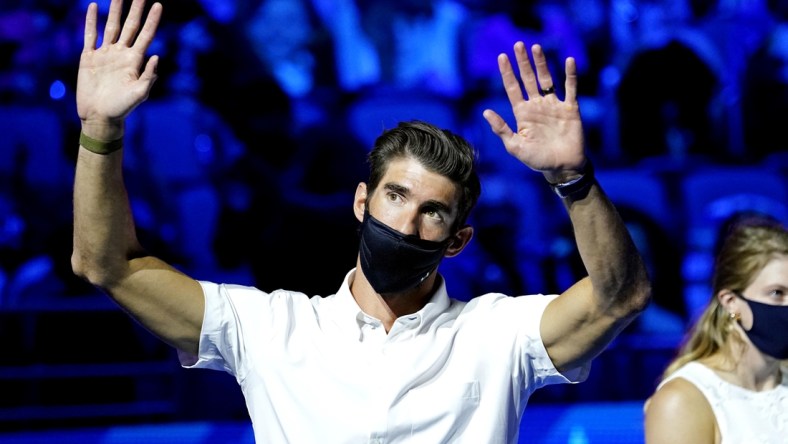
column 577, row 185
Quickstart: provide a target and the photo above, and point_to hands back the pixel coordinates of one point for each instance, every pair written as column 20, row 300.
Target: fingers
column 112, row 29
column 536, row 80
column 126, row 35
column 542, row 71
column 149, row 29
column 510, row 83
column 91, row 35
column 526, row 71
column 132, row 23
column 571, row 80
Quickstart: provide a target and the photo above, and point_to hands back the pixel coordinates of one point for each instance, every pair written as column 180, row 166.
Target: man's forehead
column 409, row 176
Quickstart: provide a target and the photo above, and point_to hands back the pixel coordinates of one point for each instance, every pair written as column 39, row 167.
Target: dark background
column 242, row 165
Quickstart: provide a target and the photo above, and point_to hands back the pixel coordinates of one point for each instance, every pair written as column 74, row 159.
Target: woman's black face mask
column 769, row 324
column 393, row 262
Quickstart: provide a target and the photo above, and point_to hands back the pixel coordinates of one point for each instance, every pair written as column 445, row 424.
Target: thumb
column 149, row 74
column 498, row 125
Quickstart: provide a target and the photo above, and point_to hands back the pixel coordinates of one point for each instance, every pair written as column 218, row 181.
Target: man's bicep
column 164, row 300
column 575, row 329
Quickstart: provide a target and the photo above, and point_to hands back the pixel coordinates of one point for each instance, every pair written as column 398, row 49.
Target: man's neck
column 387, row 308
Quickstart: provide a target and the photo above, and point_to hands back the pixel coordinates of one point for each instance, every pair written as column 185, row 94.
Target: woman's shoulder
column 678, row 393
column 679, row 409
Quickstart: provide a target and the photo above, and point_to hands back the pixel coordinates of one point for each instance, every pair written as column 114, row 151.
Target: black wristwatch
column 577, row 185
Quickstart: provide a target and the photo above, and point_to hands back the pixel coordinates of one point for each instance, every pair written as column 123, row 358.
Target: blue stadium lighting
column 57, row 90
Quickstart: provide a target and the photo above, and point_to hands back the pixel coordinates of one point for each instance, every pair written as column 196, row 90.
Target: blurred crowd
column 247, row 152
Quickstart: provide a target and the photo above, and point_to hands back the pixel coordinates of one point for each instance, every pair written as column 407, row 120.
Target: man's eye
column 433, row 214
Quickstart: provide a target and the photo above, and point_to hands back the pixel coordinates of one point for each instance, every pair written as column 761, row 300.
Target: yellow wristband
column 98, row 146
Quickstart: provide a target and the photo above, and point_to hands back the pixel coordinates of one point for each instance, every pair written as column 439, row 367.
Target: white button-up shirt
column 319, row 370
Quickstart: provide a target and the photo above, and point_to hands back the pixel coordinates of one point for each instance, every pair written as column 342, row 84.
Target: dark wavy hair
column 438, row 150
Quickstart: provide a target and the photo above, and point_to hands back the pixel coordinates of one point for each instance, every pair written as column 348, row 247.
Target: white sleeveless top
column 743, row 416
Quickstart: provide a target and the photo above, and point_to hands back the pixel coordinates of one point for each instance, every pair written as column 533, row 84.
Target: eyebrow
column 397, row 188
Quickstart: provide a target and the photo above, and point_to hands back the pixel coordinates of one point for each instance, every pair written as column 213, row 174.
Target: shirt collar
column 437, row 305
column 350, row 314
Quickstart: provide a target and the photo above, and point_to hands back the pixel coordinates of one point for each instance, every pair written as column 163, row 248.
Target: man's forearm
column 608, row 252
column 104, row 233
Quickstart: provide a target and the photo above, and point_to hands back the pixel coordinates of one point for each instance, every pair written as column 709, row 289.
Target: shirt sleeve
column 520, row 318
column 545, row 370
column 221, row 339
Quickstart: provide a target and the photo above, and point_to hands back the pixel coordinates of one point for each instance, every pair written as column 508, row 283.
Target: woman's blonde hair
column 747, row 244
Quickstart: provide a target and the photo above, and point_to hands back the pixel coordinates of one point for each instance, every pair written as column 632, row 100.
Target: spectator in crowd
column 729, row 382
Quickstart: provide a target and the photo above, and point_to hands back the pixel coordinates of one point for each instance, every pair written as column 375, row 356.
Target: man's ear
column 360, row 201
column 459, row 240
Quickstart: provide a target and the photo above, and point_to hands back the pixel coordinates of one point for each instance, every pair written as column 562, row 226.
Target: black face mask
column 769, row 324
column 394, row 262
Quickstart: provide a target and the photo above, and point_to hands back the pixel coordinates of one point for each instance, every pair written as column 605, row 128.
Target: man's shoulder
column 489, row 299
column 240, row 291
column 502, row 307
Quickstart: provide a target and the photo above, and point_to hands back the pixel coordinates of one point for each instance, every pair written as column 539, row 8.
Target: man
column 389, row 357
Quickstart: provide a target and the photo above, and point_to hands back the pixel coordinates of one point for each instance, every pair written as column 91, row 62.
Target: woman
column 729, row 382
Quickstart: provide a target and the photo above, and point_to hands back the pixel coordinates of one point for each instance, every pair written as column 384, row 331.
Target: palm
column 108, row 84
column 549, row 134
